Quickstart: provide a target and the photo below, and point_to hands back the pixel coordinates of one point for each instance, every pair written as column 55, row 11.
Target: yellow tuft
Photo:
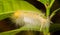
column 17, row 14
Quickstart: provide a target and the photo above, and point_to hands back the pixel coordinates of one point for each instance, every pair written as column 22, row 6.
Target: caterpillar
column 22, row 18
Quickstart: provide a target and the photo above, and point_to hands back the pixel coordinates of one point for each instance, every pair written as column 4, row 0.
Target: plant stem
column 48, row 8
column 51, row 3
column 46, row 33
column 53, row 13
column 47, row 12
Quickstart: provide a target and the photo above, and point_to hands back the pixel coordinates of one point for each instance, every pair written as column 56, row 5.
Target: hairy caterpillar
column 23, row 17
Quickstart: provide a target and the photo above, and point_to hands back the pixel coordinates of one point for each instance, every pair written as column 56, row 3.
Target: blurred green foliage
column 7, row 7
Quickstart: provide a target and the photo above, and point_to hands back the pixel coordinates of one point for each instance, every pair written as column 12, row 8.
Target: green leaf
column 11, row 6
column 24, row 5
column 5, row 9
column 44, row 1
column 47, row 2
column 25, row 28
column 4, row 15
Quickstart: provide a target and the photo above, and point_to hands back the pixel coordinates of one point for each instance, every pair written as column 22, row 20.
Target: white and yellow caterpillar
column 30, row 18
